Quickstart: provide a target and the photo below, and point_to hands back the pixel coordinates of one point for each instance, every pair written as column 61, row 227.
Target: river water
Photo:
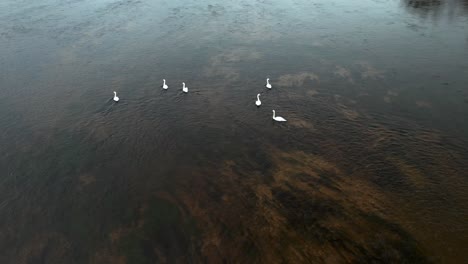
column 370, row 167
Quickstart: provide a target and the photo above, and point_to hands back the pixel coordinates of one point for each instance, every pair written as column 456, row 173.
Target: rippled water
column 370, row 167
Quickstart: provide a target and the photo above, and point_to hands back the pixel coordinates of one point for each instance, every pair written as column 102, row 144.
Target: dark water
column 370, row 167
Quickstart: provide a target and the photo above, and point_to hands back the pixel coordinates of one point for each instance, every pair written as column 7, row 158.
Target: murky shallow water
column 371, row 165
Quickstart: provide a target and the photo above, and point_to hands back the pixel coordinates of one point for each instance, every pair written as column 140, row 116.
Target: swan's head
column 273, row 111
column 115, row 92
column 183, row 83
column 164, row 80
column 258, row 95
column 268, row 79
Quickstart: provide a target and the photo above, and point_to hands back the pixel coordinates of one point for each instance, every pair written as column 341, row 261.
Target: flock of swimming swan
column 258, row 103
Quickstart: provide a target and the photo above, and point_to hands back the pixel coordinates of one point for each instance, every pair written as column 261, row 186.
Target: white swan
column 116, row 98
column 278, row 118
column 258, row 102
column 164, row 86
column 184, row 88
column 268, row 85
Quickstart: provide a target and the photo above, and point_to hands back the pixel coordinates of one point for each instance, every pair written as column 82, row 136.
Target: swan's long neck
column 273, row 113
column 164, row 82
column 268, row 81
column 115, row 94
column 183, row 85
column 258, row 97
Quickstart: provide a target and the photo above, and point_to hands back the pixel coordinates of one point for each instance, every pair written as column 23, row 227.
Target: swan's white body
column 164, row 86
column 116, row 98
column 258, row 102
column 184, row 88
column 268, row 85
column 278, row 118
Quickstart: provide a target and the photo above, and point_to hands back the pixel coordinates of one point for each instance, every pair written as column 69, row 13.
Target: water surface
column 370, row 167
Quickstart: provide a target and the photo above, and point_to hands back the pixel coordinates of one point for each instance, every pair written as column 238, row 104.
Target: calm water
column 370, row 167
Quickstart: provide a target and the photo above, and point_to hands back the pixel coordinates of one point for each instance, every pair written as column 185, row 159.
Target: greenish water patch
column 164, row 229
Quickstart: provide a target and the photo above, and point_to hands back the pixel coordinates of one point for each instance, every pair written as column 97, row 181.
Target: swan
column 258, row 102
column 116, row 98
column 278, row 118
column 184, row 88
column 164, row 86
column 268, row 85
